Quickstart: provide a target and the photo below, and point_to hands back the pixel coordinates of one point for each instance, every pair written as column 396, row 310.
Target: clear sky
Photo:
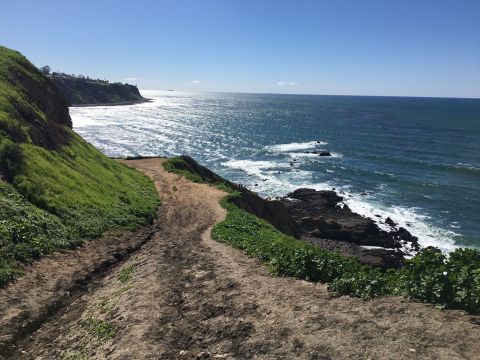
column 360, row 47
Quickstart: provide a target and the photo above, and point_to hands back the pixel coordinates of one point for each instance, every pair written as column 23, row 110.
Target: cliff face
column 55, row 188
column 82, row 91
column 32, row 109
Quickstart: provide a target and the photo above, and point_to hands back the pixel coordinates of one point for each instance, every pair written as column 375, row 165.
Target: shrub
column 424, row 278
column 463, row 271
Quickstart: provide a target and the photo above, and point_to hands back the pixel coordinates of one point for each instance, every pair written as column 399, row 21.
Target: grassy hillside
column 31, row 110
column 55, row 188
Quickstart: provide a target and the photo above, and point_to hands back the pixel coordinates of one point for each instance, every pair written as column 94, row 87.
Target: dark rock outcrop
column 390, row 222
column 323, row 220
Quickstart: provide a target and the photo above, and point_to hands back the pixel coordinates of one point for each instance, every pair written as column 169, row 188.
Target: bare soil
column 170, row 292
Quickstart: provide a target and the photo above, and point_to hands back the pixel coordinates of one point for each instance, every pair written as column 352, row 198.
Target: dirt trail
column 182, row 295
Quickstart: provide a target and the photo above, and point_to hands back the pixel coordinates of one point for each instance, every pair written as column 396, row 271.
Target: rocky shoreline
column 325, row 221
column 321, row 218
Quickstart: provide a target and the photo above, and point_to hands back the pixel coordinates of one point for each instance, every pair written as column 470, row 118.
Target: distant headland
column 82, row 90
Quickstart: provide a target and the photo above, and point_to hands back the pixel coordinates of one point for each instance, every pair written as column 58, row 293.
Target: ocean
column 415, row 160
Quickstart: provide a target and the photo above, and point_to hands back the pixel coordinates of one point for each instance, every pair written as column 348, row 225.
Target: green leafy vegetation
column 55, row 189
column 27, row 233
column 101, row 329
column 430, row 276
column 449, row 281
column 125, row 274
column 176, row 166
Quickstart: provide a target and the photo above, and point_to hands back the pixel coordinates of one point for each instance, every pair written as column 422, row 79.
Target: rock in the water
column 319, row 153
column 390, row 222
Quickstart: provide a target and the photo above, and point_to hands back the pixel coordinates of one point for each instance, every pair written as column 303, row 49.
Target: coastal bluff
column 84, row 91
column 153, row 257
column 315, row 217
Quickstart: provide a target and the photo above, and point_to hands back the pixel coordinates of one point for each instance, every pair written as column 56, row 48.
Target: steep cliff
column 31, row 108
column 55, row 188
column 85, row 91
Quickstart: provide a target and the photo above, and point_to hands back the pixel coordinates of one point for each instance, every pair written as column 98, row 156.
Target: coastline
column 317, row 218
column 162, row 257
column 120, row 103
column 141, row 295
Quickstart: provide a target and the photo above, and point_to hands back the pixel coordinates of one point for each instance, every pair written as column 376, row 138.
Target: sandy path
column 187, row 296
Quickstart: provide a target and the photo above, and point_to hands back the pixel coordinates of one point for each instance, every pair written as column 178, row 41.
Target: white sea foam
column 279, row 148
column 270, row 178
column 80, row 120
column 275, row 184
column 251, row 167
column 409, row 218
column 333, row 155
column 375, row 247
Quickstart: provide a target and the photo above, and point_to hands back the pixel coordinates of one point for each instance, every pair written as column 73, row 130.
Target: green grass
column 88, row 191
column 101, row 329
column 430, row 276
column 174, row 165
column 27, row 233
column 448, row 281
column 125, row 274
column 21, row 119
column 56, row 190
column 59, row 198
column 282, row 254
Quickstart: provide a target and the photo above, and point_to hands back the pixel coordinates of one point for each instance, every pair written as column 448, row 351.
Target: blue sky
column 359, row 47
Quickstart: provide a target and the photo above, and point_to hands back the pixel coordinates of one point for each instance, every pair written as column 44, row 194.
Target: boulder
column 390, row 222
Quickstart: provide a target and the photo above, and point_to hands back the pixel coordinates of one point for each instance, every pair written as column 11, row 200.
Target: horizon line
column 315, row 94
